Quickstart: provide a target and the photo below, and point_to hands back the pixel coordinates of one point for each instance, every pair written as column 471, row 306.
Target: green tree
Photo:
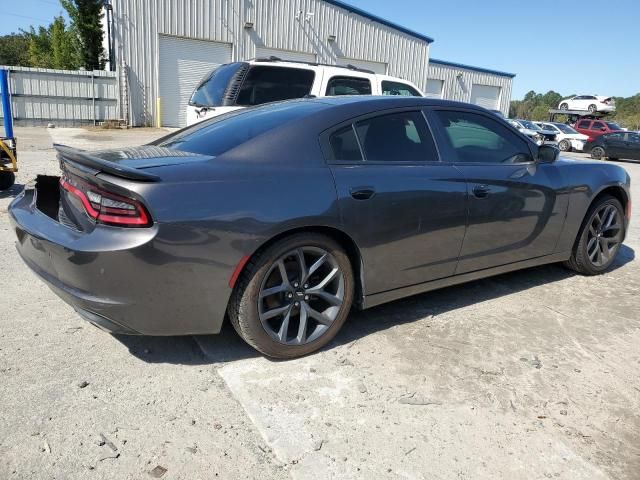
column 53, row 47
column 64, row 46
column 86, row 16
column 14, row 49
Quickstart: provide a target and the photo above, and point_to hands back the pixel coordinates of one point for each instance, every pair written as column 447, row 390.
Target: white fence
column 63, row 97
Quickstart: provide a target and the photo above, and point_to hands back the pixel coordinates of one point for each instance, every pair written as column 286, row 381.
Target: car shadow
column 227, row 346
column 224, row 347
column 364, row 323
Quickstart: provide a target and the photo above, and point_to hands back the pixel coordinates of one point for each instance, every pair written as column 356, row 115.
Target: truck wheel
column 7, row 179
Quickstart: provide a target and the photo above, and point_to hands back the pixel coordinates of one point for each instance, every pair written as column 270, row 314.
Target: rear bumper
column 122, row 280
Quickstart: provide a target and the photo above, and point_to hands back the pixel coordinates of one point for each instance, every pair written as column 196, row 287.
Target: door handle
column 481, row 191
column 362, row 193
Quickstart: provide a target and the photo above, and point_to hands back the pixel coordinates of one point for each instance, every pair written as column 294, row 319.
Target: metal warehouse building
column 163, row 48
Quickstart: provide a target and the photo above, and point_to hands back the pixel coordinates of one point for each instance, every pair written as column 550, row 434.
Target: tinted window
column 345, row 144
column 210, row 92
column 220, row 134
column 614, row 126
column 271, row 84
column 478, row 139
column 397, row 88
column 597, row 125
column 584, row 124
column 634, row 137
column 348, row 86
column 615, row 136
column 398, row 137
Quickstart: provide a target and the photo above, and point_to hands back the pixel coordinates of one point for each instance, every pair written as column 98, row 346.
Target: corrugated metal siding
column 280, row 24
column 459, row 89
column 263, row 52
column 376, row 67
column 42, row 95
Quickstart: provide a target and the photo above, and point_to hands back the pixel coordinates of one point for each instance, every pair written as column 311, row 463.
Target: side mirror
column 547, row 154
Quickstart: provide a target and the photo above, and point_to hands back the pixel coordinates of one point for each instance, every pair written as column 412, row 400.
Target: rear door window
column 399, row 89
column 348, row 86
column 597, row 126
column 397, row 137
column 344, row 144
column 271, row 84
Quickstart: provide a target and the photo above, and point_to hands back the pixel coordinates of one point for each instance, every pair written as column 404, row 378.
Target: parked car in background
column 245, row 84
column 533, row 131
column 567, row 137
column 282, row 216
column 615, row 145
column 595, row 128
column 589, row 103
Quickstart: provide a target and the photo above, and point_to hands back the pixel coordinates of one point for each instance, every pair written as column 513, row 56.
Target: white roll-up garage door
column 183, row 63
column 263, row 52
column 434, row 88
column 486, row 96
column 375, row 67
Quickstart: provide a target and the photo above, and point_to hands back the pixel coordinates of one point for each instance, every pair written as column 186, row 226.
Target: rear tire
column 598, row 153
column 592, row 109
column 7, row 179
column 564, row 146
column 600, row 237
column 263, row 291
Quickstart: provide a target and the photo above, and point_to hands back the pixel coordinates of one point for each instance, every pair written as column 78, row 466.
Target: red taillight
column 105, row 207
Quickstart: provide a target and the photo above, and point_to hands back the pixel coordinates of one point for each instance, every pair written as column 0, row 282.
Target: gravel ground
column 533, row 374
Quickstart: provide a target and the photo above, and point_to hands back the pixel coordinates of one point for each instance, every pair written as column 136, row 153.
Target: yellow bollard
column 158, row 113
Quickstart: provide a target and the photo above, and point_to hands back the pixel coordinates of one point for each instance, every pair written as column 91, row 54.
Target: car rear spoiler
column 85, row 159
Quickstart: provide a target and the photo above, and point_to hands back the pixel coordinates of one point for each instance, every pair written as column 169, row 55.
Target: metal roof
column 470, row 67
column 381, row 20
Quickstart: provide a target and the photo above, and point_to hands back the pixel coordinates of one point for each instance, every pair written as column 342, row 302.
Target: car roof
column 392, row 101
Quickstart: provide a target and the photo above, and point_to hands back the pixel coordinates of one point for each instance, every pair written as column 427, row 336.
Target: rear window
column 210, row 92
column 348, row 86
column 223, row 133
column 270, row 84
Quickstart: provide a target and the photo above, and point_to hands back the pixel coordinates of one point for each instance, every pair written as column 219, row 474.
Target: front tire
column 593, row 109
column 564, row 106
column 600, row 237
column 294, row 296
column 598, row 153
column 564, row 146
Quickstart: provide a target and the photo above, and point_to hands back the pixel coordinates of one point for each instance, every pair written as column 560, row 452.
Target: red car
column 595, row 128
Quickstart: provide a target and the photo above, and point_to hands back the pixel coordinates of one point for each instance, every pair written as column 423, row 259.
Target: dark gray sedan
column 284, row 216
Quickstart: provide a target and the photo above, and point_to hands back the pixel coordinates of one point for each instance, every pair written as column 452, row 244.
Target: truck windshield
column 210, row 92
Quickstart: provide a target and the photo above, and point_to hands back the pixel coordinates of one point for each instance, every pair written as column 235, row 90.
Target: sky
column 578, row 46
